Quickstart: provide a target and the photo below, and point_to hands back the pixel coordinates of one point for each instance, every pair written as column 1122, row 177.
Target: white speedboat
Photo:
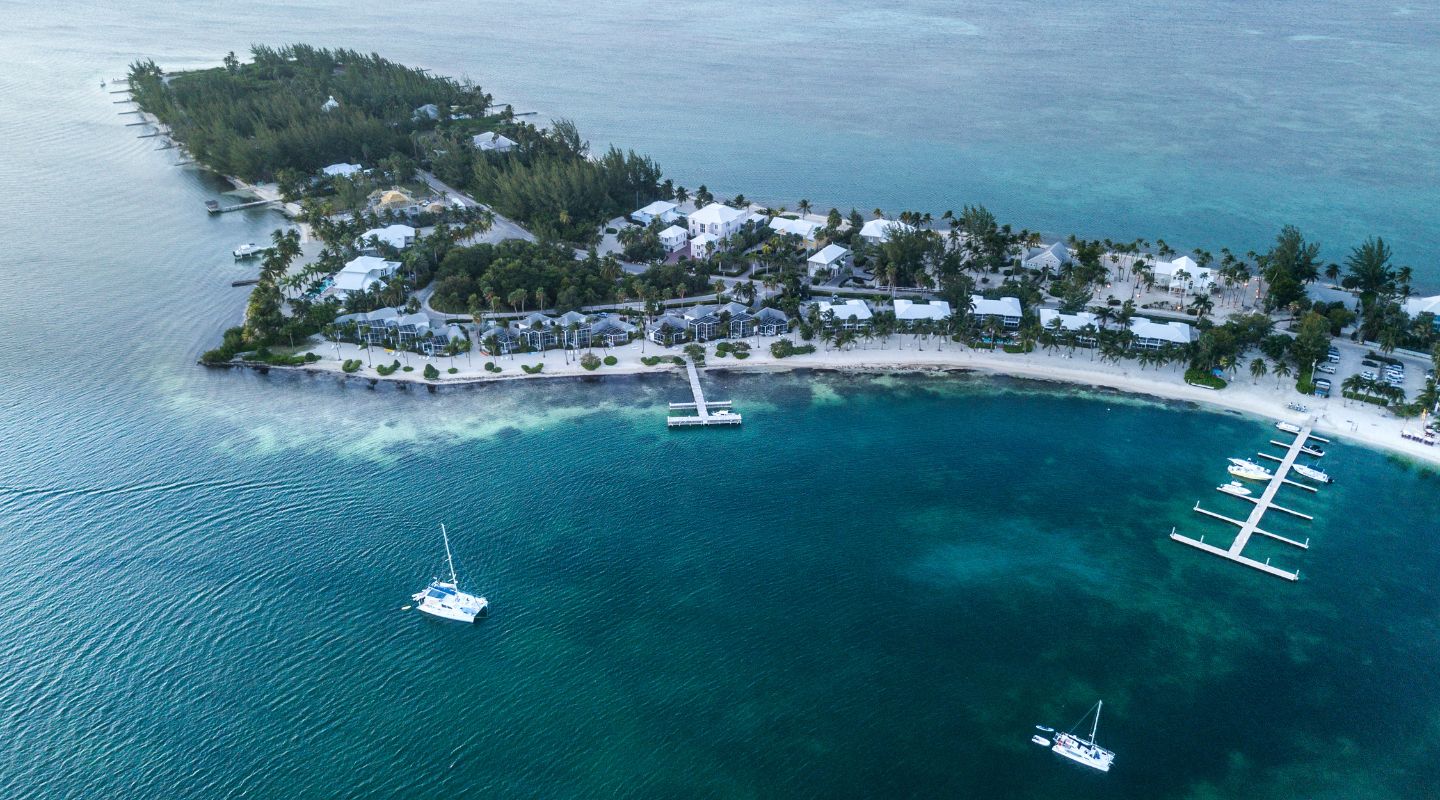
column 249, row 249
column 1313, row 473
column 1249, row 470
column 1288, row 427
column 1234, row 487
column 1040, row 740
column 445, row 599
column 1084, row 750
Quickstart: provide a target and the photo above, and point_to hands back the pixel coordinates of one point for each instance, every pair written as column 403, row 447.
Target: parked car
column 1369, row 375
column 1328, row 369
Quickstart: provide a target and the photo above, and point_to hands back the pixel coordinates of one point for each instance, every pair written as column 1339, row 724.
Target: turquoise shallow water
column 874, row 589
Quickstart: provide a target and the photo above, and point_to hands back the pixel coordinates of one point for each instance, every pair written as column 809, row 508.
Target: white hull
column 1250, row 473
column 445, row 612
column 1312, row 473
column 1288, row 427
column 1234, row 488
column 1093, row 756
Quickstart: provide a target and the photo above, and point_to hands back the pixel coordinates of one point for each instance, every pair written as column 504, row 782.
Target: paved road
column 501, row 229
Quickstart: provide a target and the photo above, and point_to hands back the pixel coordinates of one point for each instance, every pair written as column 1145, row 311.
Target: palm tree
column 1201, row 305
column 1282, row 371
column 804, row 207
column 1257, row 369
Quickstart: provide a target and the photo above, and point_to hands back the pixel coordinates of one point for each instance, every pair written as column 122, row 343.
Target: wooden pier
column 237, row 207
column 703, row 416
column 1264, row 503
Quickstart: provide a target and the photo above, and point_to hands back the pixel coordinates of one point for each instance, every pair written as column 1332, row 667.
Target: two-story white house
column 718, row 220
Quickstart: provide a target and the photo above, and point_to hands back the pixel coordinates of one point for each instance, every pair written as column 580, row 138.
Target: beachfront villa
column 851, row 315
column 668, row 330
column 361, row 274
column 703, row 245
column 1415, row 306
column 804, row 228
column 1081, row 322
column 498, row 340
column 1183, row 275
column 342, row 170
column 1006, row 309
column 663, row 210
column 1152, row 335
column 492, row 142
column 397, row 236
column 909, row 312
column 610, row 331
column 771, row 322
column 830, row 260
column 877, row 231
column 673, row 238
column 1051, row 257
column 718, row 220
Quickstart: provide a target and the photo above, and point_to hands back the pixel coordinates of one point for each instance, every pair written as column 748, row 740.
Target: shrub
column 677, row 361
column 407, row 369
column 490, row 367
column 388, row 370
column 431, row 373
column 651, row 361
column 351, row 365
column 590, row 361
column 533, row 369
column 741, row 355
column 453, row 370
column 1305, row 383
column 696, row 352
column 1200, row 377
column 784, row 348
column 611, row 361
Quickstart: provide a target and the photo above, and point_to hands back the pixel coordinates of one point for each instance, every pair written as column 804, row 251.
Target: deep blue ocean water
column 874, row 589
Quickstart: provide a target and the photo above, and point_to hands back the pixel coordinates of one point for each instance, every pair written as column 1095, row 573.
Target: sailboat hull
column 1081, row 752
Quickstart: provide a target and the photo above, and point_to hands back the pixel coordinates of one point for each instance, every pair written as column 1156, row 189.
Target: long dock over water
column 722, row 415
column 1266, row 501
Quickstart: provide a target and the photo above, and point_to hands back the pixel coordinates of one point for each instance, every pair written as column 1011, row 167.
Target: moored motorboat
column 249, row 249
column 1040, row 740
column 1249, row 470
column 1234, row 487
column 1288, row 427
column 1313, row 473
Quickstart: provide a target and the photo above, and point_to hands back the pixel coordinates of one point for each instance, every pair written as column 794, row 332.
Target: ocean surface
column 874, row 589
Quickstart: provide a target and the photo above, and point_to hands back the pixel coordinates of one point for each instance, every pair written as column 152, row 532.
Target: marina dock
column 219, row 209
column 1264, row 503
column 704, row 416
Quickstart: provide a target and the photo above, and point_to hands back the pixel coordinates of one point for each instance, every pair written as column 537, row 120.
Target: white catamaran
column 1085, row 751
column 445, row 599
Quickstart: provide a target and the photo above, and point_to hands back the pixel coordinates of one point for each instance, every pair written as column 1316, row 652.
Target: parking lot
column 1352, row 362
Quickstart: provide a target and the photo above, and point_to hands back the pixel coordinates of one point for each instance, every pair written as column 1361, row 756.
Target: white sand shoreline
column 1264, row 399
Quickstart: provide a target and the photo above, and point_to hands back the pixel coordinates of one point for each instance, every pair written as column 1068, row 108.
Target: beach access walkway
column 707, row 412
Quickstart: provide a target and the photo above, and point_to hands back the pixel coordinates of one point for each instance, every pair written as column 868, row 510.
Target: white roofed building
column 1191, row 276
column 831, row 259
column 663, row 210
column 1152, row 335
column 1080, row 322
column 849, row 315
column 492, row 142
column 803, row 228
column 397, row 236
column 673, row 238
column 877, row 231
column 362, row 274
column 908, row 312
column 718, row 220
column 1415, row 306
column 342, row 170
column 703, row 245
column 1006, row 309
column 1054, row 256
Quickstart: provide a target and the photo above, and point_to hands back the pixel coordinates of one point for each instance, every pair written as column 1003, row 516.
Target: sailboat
column 445, row 599
column 1085, row 751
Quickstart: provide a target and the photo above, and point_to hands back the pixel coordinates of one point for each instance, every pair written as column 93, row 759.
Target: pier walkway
column 704, row 416
column 1251, row 525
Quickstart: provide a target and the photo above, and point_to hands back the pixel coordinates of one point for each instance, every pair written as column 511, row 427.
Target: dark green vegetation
column 517, row 276
column 256, row 119
column 784, row 348
column 590, row 361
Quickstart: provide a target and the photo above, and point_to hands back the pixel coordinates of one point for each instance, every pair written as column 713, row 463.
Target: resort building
column 498, row 340
column 663, row 210
column 574, row 329
column 877, row 231
column 362, row 274
column 610, row 331
column 1183, row 275
column 1052, row 257
column 342, row 170
column 702, row 322
column 771, row 322
column 703, row 245
column 1152, row 335
column 716, row 219
column 397, row 236
column 668, row 330
column 673, row 238
column 908, row 312
column 1006, row 309
column 830, row 260
column 492, row 142
column 803, row 228
column 853, row 314
column 1081, row 322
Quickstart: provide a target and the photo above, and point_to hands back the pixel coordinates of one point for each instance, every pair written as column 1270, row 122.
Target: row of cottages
column 492, row 142
column 397, row 236
column 361, row 274
column 374, row 327
column 707, row 323
column 572, row 329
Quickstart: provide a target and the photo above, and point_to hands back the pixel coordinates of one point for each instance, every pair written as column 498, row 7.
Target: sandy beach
column 1266, row 398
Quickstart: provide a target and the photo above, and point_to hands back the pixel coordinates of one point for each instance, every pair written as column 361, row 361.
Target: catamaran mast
column 451, row 561
column 1096, row 726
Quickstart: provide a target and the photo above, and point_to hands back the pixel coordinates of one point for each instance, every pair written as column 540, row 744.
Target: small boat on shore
column 1288, row 427
column 1084, row 750
column 1249, row 470
column 1234, row 487
column 250, row 249
column 1313, row 473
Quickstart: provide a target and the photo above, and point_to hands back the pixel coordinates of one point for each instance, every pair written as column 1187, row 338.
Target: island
column 438, row 239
